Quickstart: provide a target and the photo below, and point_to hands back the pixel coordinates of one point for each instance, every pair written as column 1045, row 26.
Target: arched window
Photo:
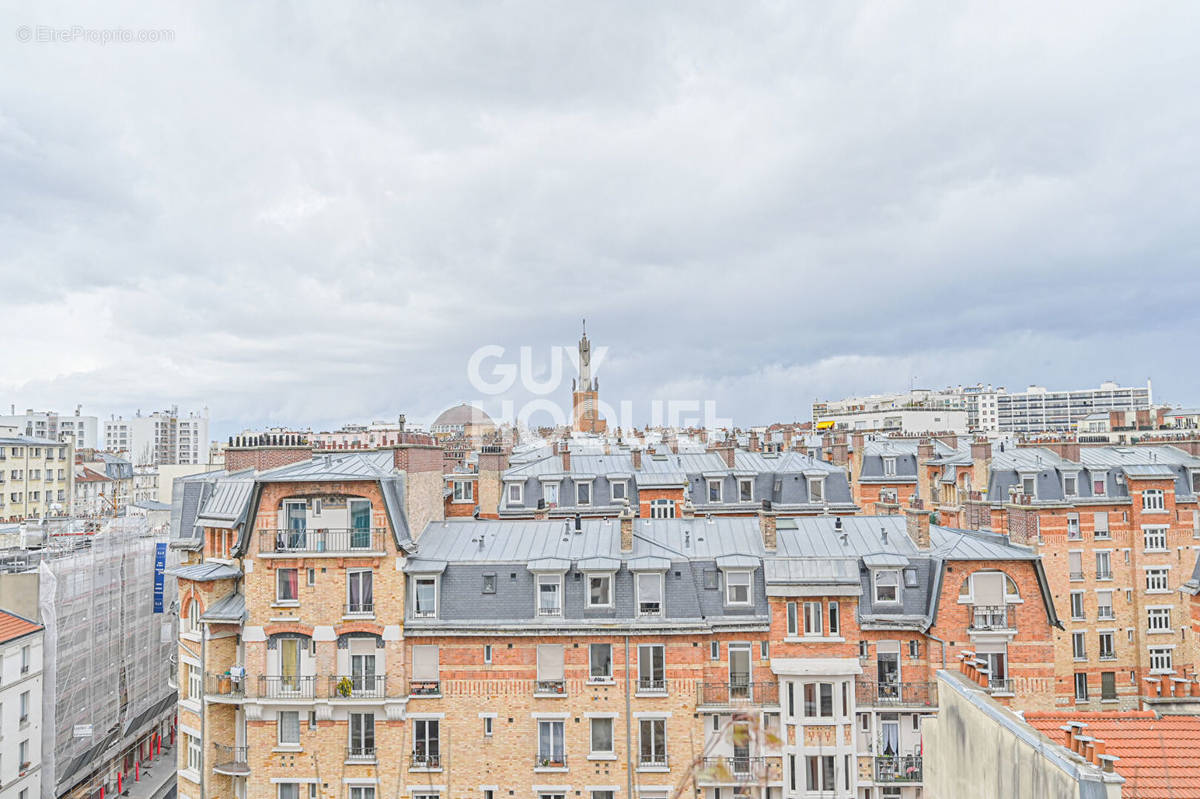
column 192, row 622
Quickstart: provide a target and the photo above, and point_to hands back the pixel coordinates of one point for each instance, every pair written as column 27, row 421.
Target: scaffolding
column 108, row 655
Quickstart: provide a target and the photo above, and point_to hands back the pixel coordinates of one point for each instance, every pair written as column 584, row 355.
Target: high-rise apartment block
column 163, row 437
column 82, row 431
column 37, row 478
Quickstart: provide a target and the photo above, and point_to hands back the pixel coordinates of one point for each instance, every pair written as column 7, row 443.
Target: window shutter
column 425, row 663
column 649, row 588
column 989, row 589
column 550, row 661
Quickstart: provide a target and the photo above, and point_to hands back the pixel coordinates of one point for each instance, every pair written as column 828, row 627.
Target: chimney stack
column 636, row 452
column 626, row 518
column 916, row 520
column 566, row 456
column 754, row 444
column 726, row 452
column 981, row 449
column 925, row 450
column 766, row 523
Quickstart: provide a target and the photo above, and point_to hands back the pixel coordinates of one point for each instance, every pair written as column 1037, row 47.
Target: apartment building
column 1037, row 410
column 36, row 478
column 662, row 482
column 20, row 707
column 1117, row 527
column 291, row 597
column 162, row 437
column 338, row 638
column 82, row 431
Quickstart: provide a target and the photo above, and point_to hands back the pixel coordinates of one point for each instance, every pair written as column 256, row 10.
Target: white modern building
column 20, row 707
column 84, row 431
column 162, row 437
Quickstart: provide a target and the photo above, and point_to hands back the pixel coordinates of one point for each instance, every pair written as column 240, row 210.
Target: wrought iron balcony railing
column 722, row 694
column 896, row 694
column 906, row 768
column 322, row 540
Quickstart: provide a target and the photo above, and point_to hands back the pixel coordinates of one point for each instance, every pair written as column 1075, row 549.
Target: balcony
column 322, row 541
column 424, row 688
column 726, row 694
column 425, row 761
column 224, row 686
column 896, row 694
column 738, row 768
column 232, row 760
column 550, row 687
column 646, row 685
column 898, row 769
column 358, row 686
column 555, row 760
column 652, row 760
column 993, row 617
column 286, row 688
column 361, row 754
column 1000, row 685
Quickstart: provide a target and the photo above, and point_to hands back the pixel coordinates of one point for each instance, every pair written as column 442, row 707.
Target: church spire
column 585, row 359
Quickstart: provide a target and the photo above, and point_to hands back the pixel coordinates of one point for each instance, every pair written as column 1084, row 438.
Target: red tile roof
column 13, row 626
column 1158, row 756
column 90, row 476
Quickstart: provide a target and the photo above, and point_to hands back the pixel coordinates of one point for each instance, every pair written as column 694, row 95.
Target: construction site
column 110, row 614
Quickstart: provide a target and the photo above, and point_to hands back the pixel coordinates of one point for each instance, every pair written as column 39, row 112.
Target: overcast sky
column 311, row 217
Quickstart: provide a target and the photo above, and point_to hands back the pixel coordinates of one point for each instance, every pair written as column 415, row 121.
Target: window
column 426, row 744
column 583, row 493
column 1079, row 646
column 649, row 594
column 1160, row 659
column 602, row 795
column 1158, row 620
column 835, row 622
column 1028, row 485
column 362, row 735
column 1073, row 531
column 889, row 467
column 1077, row 605
column 464, row 491
column 25, row 659
column 651, row 668
column 714, row 650
column 311, row 577
column 1103, row 565
column 1100, row 522
column 1099, row 483
column 662, row 509
column 816, row 489
column 195, row 756
column 1104, row 606
column 362, row 792
column 1108, row 649
column 1155, row 539
column 489, row 583
column 488, row 726
column 516, row 494
column 286, row 589
column 737, row 588
column 1156, row 581
column 1081, row 686
column 714, row 490
column 195, row 683
column 599, row 662
column 551, row 744
column 549, row 595
column 745, row 489
column 812, row 618
column 550, row 669
column 1152, row 500
column 288, row 722
column 599, row 591
column 764, row 650
column 360, row 591
column 426, row 671
column 550, row 494
column 618, row 489
column 793, row 623
column 1108, row 685
column 192, row 624
column 652, row 742
column 1075, row 565
column 819, row 773
column 602, row 736
column 1070, row 485
column 818, row 700
column 425, row 597
column 887, row 585
column 487, row 654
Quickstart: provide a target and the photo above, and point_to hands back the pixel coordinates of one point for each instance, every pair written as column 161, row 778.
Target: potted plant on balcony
column 345, row 687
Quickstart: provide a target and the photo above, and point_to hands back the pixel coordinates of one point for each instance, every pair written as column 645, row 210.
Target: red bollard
column 119, row 776
column 137, row 771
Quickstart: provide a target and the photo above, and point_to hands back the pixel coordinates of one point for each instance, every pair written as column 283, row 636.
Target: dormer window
column 619, row 490
column 1099, row 483
column 889, row 467
column 549, row 595
column 550, row 494
column 464, row 491
column 737, row 588
column 714, row 490
column 599, row 591
column 1070, row 485
column 745, row 490
column 816, row 489
column 425, row 597
column 887, row 586
column 516, row 494
column 1029, row 486
column 583, row 493
column 649, row 594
